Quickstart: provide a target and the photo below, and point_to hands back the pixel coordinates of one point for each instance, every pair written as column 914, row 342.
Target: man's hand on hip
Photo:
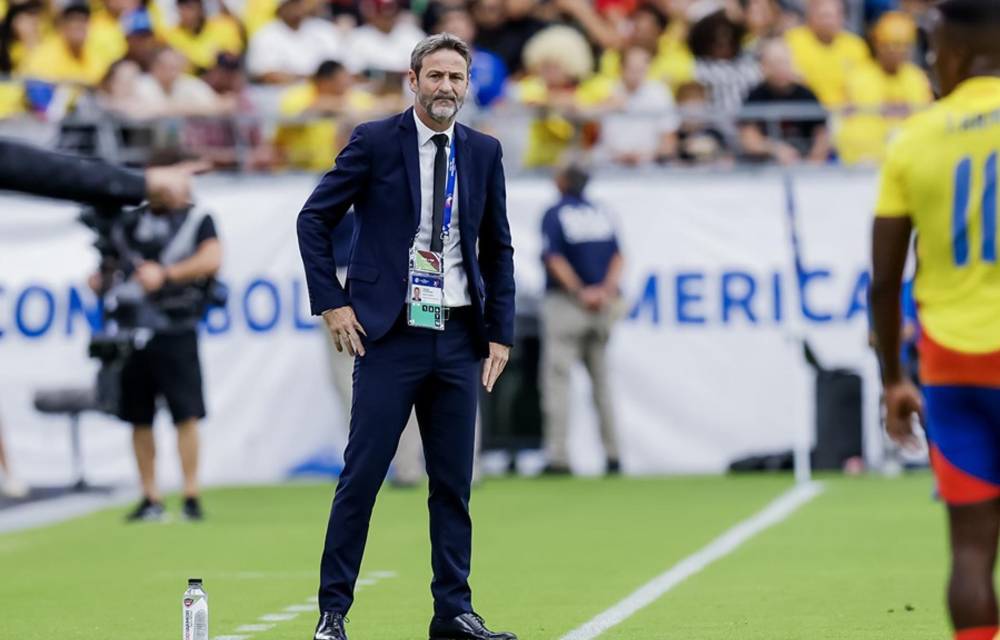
column 344, row 327
column 494, row 365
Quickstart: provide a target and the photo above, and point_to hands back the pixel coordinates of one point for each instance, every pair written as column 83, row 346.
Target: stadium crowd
column 267, row 84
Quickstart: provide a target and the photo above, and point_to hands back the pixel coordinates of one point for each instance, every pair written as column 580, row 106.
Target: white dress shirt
column 456, row 281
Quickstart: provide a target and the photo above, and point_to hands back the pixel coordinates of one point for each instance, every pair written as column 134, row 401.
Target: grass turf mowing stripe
column 772, row 514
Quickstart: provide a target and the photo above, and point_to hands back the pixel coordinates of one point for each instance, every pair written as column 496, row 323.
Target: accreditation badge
column 425, row 290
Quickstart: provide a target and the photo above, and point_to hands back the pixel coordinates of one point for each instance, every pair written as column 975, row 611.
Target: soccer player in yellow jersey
column 940, row 181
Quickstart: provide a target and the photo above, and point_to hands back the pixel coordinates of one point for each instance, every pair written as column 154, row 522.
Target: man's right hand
column 344, row 327
column 902, row 403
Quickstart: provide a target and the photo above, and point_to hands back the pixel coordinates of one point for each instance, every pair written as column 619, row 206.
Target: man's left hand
column 494, row 365
column 151, row 275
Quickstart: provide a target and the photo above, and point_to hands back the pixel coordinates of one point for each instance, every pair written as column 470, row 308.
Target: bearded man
column 430, row 208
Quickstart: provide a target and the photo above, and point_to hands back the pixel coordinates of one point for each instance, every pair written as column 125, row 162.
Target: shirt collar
column 425, row 133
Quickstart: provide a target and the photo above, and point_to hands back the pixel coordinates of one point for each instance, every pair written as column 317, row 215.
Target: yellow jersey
column 673, row 63
column 313, row 145
column 825, row 67
column 550, row 134
column 941, row 171
column 106, row 38
column 221, row 34
column 12, row 99
column 52, row 61
column 862, row 137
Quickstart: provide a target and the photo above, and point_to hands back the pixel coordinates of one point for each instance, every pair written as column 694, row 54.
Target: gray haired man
column 429, row 313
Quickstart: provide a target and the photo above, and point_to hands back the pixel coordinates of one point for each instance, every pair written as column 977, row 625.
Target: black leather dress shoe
column 467, row 626
column 330, row 627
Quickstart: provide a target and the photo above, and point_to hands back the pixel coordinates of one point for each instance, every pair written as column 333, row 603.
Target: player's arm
column 890, row 244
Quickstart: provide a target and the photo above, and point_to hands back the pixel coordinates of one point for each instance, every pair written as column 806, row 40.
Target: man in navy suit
column 430, row 208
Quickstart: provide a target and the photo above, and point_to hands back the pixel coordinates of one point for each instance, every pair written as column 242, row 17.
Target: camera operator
column 157, row 288
column 35, row 171
column 39, row 172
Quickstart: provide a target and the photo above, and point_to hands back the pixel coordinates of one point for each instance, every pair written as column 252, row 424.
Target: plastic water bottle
column 195, row 610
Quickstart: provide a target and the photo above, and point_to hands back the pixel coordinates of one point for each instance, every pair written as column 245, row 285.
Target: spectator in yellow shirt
column 23, row 29
column 106, row 32
column 882, row 94
column 331, row 104
column 68, row 55
column 672, row 62
column 561, row 87
column 824, row 53
column 12, row 99
column 200, row 38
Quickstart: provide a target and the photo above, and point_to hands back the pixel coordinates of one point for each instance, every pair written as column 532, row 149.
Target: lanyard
column 449, row 194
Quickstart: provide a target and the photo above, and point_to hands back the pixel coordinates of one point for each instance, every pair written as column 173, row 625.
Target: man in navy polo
column 583, row 266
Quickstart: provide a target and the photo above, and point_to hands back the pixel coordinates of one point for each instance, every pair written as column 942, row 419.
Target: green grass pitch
column 864, row 560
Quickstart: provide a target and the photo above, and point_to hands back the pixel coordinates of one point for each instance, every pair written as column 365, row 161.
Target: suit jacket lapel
column 411, row 160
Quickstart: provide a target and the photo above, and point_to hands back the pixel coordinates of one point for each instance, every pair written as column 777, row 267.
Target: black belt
column 458, row 313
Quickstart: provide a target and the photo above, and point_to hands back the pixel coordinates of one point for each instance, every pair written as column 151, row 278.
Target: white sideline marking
column 782, row 507
column 292, row 611
column 278, row 617
column 254, row 628
column 382, row 575
column 52, row 511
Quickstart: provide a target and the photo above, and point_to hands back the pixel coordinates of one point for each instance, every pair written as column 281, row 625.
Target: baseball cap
column 137, row 22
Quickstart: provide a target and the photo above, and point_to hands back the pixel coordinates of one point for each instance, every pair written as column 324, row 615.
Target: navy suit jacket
column 378, row 172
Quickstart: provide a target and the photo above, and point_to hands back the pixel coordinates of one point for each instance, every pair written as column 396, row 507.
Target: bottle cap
column 194, row 581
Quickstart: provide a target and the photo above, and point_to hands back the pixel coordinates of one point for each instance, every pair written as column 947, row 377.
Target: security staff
column 430, row 205
column 583, row 266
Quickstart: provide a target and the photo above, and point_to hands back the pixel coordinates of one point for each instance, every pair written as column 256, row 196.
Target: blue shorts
column 963, row 428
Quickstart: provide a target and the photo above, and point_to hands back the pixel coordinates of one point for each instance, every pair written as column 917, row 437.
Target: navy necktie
column 440, row 178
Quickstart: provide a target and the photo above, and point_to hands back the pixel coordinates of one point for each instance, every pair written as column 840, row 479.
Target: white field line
column 292, row 611
column 73, row 505
column 778, row 510
column 278, row 617
column 254, row 628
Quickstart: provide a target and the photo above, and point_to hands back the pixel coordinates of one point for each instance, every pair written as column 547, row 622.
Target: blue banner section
column 262, row 305
column 698, row 298
column 689, row 297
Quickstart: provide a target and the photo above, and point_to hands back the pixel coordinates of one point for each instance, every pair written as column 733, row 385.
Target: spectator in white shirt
column 167, row 91
column 291, row 47
column 642, row 126
column 384, row 42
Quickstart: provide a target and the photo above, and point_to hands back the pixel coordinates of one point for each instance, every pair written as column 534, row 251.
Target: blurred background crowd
column 263, row 85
